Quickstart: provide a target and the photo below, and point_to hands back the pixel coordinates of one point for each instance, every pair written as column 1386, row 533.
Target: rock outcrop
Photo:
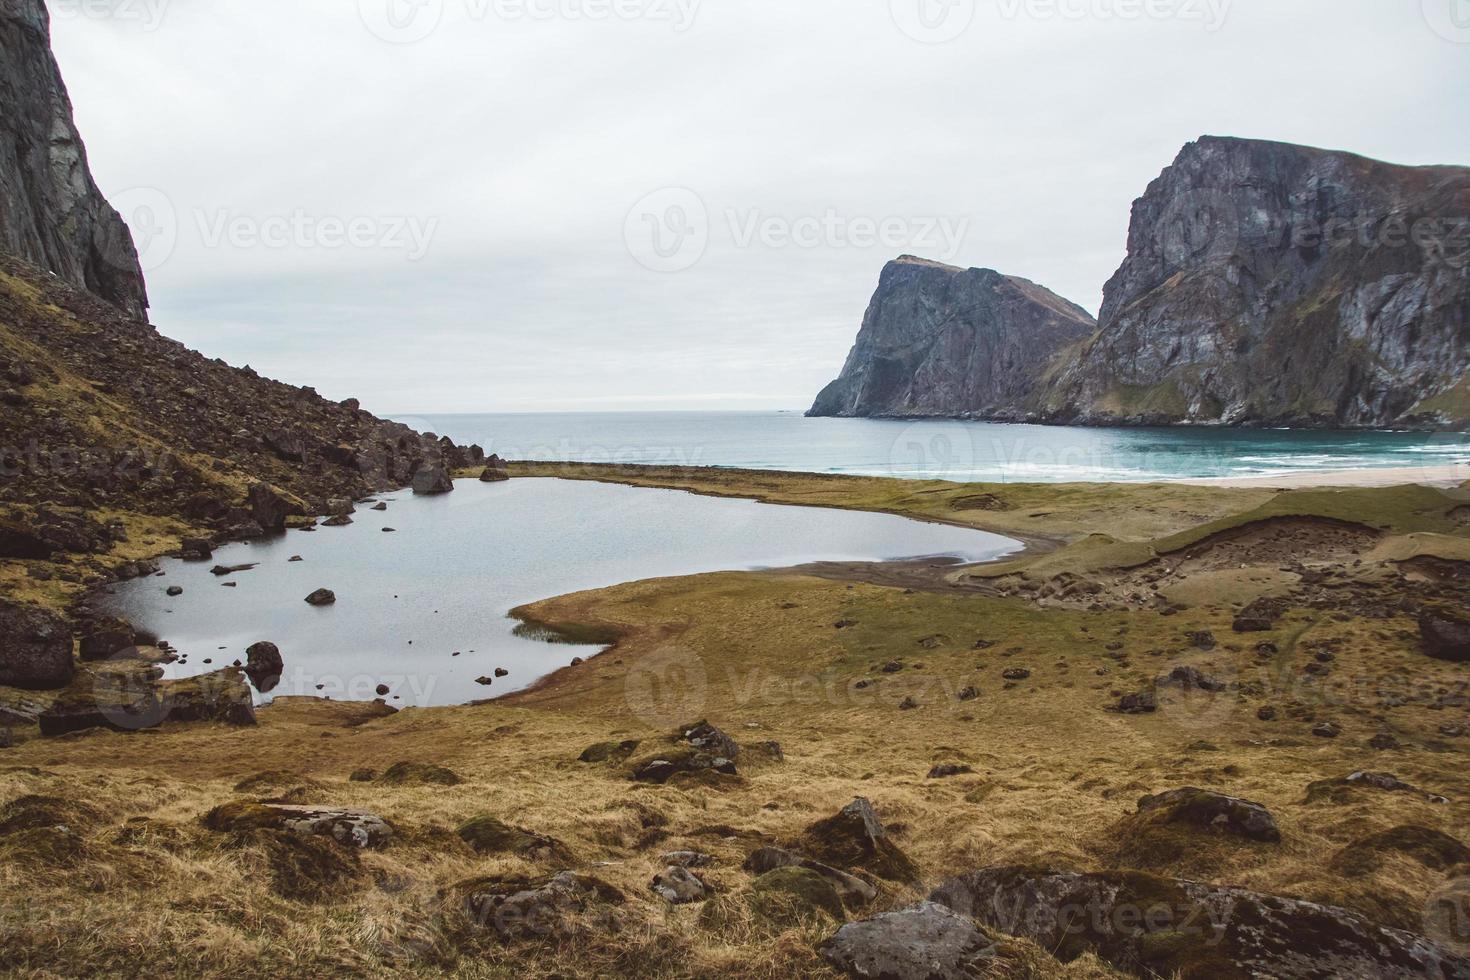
column 1266, row 284
column 51, row 212
column 939, row 340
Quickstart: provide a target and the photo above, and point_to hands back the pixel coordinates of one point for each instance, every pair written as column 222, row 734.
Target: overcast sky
column 524, row 205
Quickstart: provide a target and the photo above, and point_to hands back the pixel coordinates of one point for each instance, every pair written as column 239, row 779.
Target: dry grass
column 148, row 890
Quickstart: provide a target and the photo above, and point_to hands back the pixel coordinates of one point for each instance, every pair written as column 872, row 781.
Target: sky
column 610, row 205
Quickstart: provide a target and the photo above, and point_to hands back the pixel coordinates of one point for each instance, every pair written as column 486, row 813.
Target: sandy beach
column 1438, row 476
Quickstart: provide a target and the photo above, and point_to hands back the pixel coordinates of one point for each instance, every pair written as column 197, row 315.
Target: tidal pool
column 454, row 566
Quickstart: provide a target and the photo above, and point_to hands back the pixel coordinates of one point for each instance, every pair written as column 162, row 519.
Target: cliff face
column 938, row 340
column 1271, row 284
column 51, row 212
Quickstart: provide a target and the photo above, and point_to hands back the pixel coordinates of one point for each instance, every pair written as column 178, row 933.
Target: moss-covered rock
column 609, row 751
column 490, row 835
column 856, row 838
column 419, row 774
column 353, row 828
column 791, row 895
column 1433, row 849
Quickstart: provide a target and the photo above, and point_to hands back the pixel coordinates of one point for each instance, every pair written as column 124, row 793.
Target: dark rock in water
column 1445, row 633
column 340, row 507
column 35, row 648
column 520, row 909
column 380, row 506
column 483, row 681
column 419, row 774
column 341, row 520
column 609, row 751
column 269, row 508
column 174, row 591
column 496, row 471
column 490, row 835
column 923, row 942
column 679, row 886
column 222, row 696
column 501, row 672
column 321, row 597
column 264, row 666
column 197, row 549
column 856, row 838
column 432, row 478
column 948, row 771
column 1209, row 811
column 854, row 891
column 351, row 828
column 383, row 690
column 105, row 639
column 51, row 212
column 1151, row 926
column 220, row 571
column 939, row 340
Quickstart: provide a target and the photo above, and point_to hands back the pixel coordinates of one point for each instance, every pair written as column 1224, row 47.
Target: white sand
column 1439, row 476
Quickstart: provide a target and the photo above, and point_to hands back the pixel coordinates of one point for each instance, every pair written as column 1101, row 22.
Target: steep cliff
column 51, row 212
column 938, row 340
column 1272, row 284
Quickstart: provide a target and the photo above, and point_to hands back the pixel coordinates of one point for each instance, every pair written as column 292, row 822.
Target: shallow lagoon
column 445, row 580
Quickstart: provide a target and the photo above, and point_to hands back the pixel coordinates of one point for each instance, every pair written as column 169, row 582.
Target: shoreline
column 1445, row 476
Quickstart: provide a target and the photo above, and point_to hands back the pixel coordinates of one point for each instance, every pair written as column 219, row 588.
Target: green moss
column 419, row 774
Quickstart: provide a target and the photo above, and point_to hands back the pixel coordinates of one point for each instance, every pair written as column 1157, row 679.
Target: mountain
column 1271, row 284
column 51, row 212
column 1265, row 284
column 939, row 340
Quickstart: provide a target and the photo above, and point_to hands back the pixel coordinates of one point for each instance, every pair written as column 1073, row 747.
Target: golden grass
column 760, row 655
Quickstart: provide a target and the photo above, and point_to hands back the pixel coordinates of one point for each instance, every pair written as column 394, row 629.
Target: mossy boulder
column 791, row 895
column 35, row 648
column 490, row 835
column 1152, row 926
column 854, row 891
column 660, row 767
column 516, row 908
column 924, row 942
column 609, row 751
column 352, row 828
column 1190, row 831
column 1433, row 849
column 222, row 696
column 856, row 838
column 419, row 774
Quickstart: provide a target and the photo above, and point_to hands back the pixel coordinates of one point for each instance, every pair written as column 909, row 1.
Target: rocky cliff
column 51, row 212
column 1272, row 284
column 939, row 340
column 1265, row 284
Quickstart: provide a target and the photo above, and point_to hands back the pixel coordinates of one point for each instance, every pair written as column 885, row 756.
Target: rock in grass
column 1444, row 633
column 1340, row 790
column 419, row 774
column 222, row 696
column 1209, row 811
column 792, row 894
column 679, row 886
column 924, row 942
column 490, row 835
column 321, row 597
column 856, row 838
column 1190, row 930
column 608, row 751
column 949, row 771
column 351, row 828
column 1433, row 849
column 662, row 766
column 706, row 737
column 118, row 702
column 105, row 639
column 854, row 891
column 517, row 909
column 35, row 648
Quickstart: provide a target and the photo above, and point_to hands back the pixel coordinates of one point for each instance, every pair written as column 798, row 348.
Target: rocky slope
column 51, row 211
column 1271, row 284
column 1265, row 284
column 939, row 340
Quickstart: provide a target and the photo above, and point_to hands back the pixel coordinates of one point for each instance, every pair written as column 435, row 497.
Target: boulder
column 432, row 478
column 269, row 508
column 174, row 591
column 854, row 891
column 1444, row 633
column 679, row 886
column 662, row 766
column 489, row 835
column 286, row 444
column 856, row 838
column 105, row 639
column 1143, row 703
column 197, row 549
column 529, row 909
column 264, row 666
column 419, row 774
column 1340, row 789
column 321, row 597
column 1151, row 926
column 341, row 520
column 791, row 894
column 122, row 702
column 35, row 648
column 1190, row 679
column 606, row 751
column 1209, row 811
column 340, row 507
column 1433, row 849
column 221, row 696
column 708, row 738
column 351, row 828
column 949, row 771
column 924, row 942
column 496, row 471
column 220, row 571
